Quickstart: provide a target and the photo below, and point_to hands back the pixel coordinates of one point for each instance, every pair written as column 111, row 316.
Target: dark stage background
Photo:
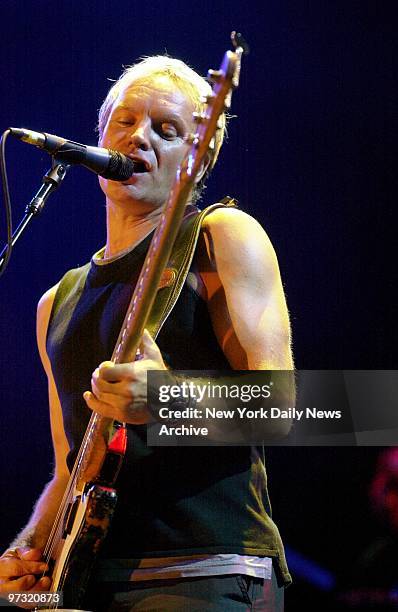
column 310, row 155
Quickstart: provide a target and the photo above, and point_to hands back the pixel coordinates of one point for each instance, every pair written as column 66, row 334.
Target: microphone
column 109, row 164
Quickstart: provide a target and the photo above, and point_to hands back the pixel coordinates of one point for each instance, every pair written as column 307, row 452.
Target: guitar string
column 58, row 525
column 57, row 529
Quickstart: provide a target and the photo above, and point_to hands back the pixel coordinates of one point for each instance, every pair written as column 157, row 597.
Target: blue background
column 310, row 154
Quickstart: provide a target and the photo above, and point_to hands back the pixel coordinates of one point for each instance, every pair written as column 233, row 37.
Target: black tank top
column 171, row 500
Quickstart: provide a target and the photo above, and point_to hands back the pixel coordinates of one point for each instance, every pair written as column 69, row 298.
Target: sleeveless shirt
column 172, row 501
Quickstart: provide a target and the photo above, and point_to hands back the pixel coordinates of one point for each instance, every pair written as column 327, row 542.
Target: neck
column 125, row 230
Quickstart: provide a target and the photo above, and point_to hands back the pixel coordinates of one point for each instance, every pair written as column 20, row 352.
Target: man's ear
column 203, row 168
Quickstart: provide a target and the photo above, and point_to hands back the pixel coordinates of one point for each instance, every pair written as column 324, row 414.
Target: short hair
column 189, row 82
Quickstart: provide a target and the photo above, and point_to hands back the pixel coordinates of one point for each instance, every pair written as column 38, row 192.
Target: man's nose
column 140, row 136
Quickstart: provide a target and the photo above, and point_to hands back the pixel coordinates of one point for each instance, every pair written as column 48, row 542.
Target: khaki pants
column 230, row 593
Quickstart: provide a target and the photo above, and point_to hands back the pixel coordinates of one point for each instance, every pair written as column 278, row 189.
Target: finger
column 30, row 554
column 102, row 408
column 43, row 584
column 116, row 372
column 20, row 584
column 10, row 567
column 118, row 400
column 99, row 385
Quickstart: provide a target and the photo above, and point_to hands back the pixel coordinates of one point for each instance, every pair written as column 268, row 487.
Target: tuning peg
column 207, row 99
column 227, row 101
column 239, row 41
column 214, row 76
column 198, row 117
column 192, row 139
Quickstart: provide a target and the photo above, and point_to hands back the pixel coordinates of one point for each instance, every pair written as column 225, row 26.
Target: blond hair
column 192, row 85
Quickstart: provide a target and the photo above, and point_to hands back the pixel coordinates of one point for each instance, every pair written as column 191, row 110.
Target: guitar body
column 86, row 526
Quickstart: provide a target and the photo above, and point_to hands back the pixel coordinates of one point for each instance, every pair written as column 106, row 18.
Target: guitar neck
column 104, row 443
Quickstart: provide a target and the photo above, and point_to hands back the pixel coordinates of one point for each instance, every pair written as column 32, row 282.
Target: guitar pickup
column 71, row 513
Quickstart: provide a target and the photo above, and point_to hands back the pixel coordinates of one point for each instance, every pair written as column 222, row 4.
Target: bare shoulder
column 234, row 236
column 230, row 218
column 46, row 301
column 44, row 309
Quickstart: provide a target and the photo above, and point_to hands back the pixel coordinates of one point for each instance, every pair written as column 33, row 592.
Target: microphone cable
column 7, row 200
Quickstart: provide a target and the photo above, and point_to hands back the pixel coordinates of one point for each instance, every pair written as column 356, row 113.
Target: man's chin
column 134, row 198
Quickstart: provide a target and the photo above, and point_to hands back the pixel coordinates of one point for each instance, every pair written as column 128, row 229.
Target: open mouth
column 140, row 167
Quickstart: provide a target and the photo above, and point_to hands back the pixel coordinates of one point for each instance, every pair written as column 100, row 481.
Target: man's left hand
column 119, row 391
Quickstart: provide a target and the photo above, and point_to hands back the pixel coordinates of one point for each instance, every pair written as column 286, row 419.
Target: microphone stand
column 51, row 181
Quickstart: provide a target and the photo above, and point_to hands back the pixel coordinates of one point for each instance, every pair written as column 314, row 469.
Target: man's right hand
column 20, row 570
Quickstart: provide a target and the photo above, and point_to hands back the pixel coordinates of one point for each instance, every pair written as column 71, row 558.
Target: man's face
column 148, row 122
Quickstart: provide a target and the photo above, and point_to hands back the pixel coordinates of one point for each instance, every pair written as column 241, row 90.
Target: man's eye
column 125, row 122
column 168, row 130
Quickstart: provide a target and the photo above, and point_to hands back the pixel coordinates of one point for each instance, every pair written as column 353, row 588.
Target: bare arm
column 244, row 292
column 246, row 301
column 37, row 530
column 23, row 557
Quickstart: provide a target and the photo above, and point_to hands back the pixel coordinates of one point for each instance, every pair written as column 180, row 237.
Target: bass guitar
column 90, row 497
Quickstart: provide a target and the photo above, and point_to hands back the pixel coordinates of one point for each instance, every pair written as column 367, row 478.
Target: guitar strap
column 175, row 274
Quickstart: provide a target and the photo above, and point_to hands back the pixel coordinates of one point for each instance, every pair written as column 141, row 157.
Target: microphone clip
column 51, row 181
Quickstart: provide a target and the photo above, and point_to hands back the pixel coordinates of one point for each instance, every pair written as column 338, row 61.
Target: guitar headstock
column 224, row 81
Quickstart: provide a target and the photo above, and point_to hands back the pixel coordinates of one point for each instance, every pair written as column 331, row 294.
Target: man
column 192, row 529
